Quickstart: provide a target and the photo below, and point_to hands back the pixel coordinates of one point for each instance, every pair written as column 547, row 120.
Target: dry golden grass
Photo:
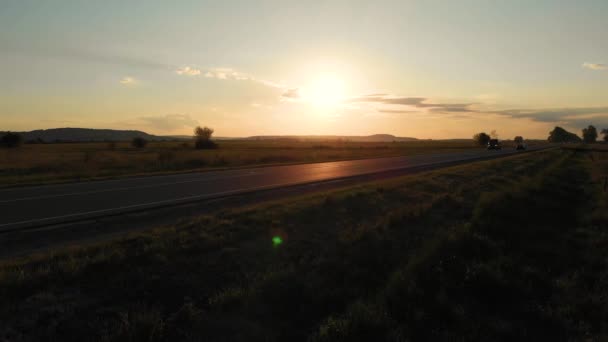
column 42, row 163
column 503, row 250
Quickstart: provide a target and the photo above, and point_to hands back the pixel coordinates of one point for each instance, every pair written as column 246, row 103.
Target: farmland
column 510, row 249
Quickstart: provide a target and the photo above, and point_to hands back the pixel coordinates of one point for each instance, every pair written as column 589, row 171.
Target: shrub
column 481, row 139
column 201, row 144
column 589, row 134
column 12, row 140
column 202, row 138
column 139, row 142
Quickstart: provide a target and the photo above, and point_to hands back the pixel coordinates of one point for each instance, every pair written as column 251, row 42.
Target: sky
column 427, row 69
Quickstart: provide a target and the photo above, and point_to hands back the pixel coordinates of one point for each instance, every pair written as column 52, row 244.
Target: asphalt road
column 51, row 204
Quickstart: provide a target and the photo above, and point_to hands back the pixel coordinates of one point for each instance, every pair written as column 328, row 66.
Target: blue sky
column 295, row 67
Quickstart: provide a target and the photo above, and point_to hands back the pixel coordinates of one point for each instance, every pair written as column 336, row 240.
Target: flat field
column 510, row 249
column 43, row 163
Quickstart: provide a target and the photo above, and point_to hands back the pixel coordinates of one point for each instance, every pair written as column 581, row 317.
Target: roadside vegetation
column 510, row 249
column 42, row 163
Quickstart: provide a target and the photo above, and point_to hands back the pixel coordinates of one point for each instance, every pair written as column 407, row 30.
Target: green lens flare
column 277, row 240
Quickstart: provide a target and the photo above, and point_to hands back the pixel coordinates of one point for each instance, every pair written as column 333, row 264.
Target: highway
column 33, row 206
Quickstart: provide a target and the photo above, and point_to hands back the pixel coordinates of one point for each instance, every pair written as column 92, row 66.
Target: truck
column 494, row 144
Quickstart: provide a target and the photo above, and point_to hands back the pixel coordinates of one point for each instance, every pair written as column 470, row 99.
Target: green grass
column 44, row 163
column 500, row 250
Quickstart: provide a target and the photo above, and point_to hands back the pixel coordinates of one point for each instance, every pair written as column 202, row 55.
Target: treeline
column 590, row 135
column 557, row 135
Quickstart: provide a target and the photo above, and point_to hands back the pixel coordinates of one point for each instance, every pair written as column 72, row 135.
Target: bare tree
column 518, row 139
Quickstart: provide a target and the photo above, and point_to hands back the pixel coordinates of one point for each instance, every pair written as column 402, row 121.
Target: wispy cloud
column 225, row 74
column 228, row 74
column 398, row 111
column 574, row 116
column 293, row 93
column 416, row 102
column 53, row 49
column 595, row 66
column 188, row 71
column 128, row 81
column 569, row 116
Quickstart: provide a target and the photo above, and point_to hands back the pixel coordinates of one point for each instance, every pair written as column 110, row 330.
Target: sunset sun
column 325, row 90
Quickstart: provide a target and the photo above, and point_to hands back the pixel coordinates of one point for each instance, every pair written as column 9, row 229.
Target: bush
column 481, row 139
column 560, row 135
column 202, row 138
column 589, row 134
column 12, row 140
column 201, row 144
column 139, row 142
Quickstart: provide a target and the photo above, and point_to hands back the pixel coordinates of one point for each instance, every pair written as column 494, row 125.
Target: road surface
column 51, row 204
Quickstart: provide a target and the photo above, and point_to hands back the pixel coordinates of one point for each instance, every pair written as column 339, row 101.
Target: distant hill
column 85, row 134
column 355, row 138
column 92, row 135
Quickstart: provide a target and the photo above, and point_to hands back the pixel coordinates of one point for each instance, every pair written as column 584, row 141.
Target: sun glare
column 325, row 90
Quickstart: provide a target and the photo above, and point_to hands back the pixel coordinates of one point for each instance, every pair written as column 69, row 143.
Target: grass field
column 511, row 249
column 40, row 163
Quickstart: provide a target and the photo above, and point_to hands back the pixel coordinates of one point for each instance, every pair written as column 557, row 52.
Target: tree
column 518, row 139
column 589, row 134
column 11, row 140
column 481, row 139
column 139, row 142
column 560, row 135
column 605, row 134
column 203, row 133
column 202, row 138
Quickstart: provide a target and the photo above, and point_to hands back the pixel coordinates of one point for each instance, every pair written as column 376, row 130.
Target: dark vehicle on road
column 494, row 144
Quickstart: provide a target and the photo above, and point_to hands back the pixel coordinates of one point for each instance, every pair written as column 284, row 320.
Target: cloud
column 568, row 116
column 595, row 66
column 228, row 74
column 169, row 122
column 575, row 116
column 453, row 108
column 397, row 111
column 52, row 49
column 292, row 93
column 128, row 81
column 188, row 71
column 417, row 102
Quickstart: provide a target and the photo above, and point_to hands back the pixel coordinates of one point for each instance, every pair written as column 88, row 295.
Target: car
column 494, row 144
column 521, row 147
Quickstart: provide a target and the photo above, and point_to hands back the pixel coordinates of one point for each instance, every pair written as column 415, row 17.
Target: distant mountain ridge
column 69, row 134
column 85, row 135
